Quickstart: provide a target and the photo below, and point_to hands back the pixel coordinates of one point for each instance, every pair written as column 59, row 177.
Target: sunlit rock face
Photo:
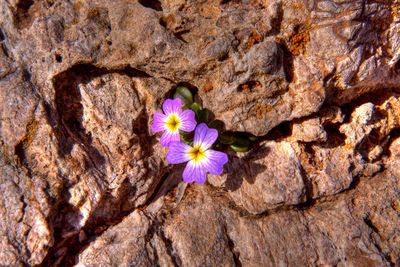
column 84, row 182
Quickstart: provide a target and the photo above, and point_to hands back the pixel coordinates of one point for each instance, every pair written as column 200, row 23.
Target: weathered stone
column 310, row 130
column 371, row 125
column 212, row 246
column 266, row 178
column 125, row 244
column 83, row 180
column 315, row 237
column 24, row 230
column 18, row 104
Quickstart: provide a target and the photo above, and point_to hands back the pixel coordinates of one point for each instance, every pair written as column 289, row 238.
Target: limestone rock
column 309, row 131
column 83, row 180
column 123, row 244
column 212, row 246
column 268, row 178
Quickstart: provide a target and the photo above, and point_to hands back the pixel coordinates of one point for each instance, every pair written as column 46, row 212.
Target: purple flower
column 199, row 157
column 172, row 121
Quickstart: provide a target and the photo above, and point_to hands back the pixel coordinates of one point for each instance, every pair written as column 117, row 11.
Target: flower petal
column 204, row 136
column 215, row 161
column 188, row 121
column 177, row 153
column 158, row 124
column 194, row 173
column 172, row 106
column 169, row 137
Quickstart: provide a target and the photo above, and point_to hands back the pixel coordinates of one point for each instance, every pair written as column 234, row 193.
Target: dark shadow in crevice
column 276, row 22
column 70, row 111
column 22, row 16
column 167, row 182
column 2, row 35
column 75, row 242
column 142, row 134
column 5, row 50
column 58, row 58
column 179, row 35
column 223, row 2
column 20, row 151
column 377, row 97
column 153, row 4
column 308, row 184
column 287, row 62
column 131, row 72
column 64, row 234
column 334, row 137
column 278, row 133
column 26, row 75
column 163, row 22
column 24, row 5
column 396, row 68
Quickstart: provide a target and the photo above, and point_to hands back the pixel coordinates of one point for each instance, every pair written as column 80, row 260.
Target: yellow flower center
column 173, row 123
column 196, row 153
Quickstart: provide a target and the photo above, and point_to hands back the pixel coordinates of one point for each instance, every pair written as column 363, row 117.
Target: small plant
column 179, row 119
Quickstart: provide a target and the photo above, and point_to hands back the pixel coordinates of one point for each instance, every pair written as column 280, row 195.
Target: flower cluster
column 197, row 153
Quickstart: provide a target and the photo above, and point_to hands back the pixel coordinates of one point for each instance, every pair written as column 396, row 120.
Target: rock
column 362, row 124
column 377, row 204
column 294, row 237
column 371, row 125
column 310, row 130
column 330, row 233
column 123, row 244
column 24, row 229
column 329, row 169
column 265, row 179
column 83, row 180
column 212, row 246
column 18, row 103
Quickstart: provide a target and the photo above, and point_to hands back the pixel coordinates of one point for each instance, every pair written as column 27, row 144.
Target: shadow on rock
column 245, row 168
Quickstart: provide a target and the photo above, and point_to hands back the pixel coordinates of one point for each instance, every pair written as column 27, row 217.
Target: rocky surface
column 83, row 181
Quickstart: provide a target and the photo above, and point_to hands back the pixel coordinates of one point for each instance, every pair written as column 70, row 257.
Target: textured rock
column 83, row 181
column 212, row 246
column 24, row 228
column 270, row 177
column 129, row 237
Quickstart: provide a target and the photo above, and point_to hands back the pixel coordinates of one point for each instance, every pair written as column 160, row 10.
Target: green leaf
column 195, row 107
column 240, row 145
column 238, row 148
column 226, row 139
column 253, row 138
column 184, row 94
column 203, row 115
column 217, row 124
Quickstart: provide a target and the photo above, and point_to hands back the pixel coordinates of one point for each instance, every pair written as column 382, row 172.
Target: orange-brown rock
column 84, row 182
